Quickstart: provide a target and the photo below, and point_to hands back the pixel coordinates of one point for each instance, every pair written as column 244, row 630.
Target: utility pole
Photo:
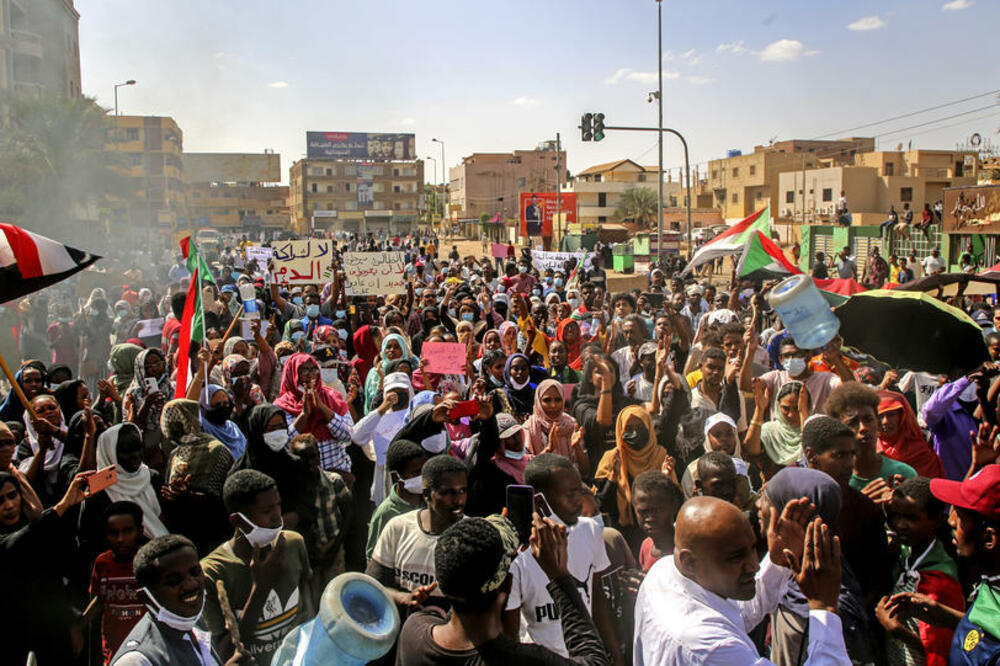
column 659, row 135
column 559, row 185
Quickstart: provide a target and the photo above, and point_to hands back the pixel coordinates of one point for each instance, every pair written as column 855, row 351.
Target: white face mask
column 260, row 536
column 172, row 620
column 276, row 439
column 513, row 455
column 519, row 385
column 414, row 485
column 795, row 366
column 435, row 443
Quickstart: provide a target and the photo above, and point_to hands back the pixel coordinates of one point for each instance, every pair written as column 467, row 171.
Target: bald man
column 696, row 606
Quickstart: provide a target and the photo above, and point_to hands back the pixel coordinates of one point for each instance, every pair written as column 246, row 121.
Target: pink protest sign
column 444, row 358
column 501, row 251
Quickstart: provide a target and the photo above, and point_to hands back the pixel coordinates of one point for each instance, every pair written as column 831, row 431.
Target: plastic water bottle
column 804, row 311
column 249, row 297
column 357, row 623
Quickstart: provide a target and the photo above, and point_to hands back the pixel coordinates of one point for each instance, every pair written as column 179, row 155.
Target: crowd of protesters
column 707, row 492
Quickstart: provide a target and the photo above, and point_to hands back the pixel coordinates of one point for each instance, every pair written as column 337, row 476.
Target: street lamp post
column 444, row 180
column 130, row 82
column 434, row 188
column 659, row 135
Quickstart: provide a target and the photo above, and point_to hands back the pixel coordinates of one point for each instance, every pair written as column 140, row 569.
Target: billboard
column 537, row 209
column 360, row 146
column 232, row 167
column 972, row 210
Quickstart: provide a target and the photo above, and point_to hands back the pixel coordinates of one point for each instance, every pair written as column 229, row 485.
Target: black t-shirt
column 819, row 271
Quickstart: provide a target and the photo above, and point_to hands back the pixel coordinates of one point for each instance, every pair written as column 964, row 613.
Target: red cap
column 979, row 493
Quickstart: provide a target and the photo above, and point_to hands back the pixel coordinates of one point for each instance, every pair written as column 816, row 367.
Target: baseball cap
column 396, row 380
column 507, row 425
column 694, row 289
column 979, row 493
column 647, row 349
column 982, row 317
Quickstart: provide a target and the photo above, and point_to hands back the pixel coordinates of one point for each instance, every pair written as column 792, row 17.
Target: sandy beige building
column 236, row 190
column 598, row 189
column 39, row 48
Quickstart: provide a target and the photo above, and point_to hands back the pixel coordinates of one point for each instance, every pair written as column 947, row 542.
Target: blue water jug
column 357, row 623
column 804, row 311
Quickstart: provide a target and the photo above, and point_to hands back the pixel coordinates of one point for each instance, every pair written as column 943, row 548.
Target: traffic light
column 598, row 126
column 587, row 127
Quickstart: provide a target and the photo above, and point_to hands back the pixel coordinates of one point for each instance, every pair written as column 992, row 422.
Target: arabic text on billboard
column 360, row 146
column 972, row 210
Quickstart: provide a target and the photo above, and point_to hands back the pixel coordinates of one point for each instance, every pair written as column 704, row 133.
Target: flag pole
column 17, row 388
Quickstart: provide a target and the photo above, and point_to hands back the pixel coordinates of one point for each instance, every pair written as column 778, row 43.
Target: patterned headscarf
column 181, row 422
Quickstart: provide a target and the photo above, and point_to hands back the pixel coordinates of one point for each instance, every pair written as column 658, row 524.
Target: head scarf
column 508, row 329
column 137, row 389
column 65, row 395
column 230, row 346
column 123, row 365
column 716, row 419
column 181, row 423
column 544, row 432
column 795, row 482
column 12, row 409
column 283, row 466
column 521, row 399
column 781, row 440
column 509, row 466
column 572, row 350
column 290, row 396
column 633, row 463
column 364, row 347
column 52, row 457
column 227, row 433
column 403, row 345
column 908, row 445
column 76, row 432
column 131, row 486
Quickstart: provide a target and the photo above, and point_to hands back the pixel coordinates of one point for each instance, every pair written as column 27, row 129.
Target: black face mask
column 219, row 414
column 636, row 437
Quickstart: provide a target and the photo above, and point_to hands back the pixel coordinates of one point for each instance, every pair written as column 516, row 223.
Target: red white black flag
column 29, row 262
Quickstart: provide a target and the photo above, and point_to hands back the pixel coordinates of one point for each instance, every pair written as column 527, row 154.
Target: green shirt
column 889, row 469
column 391, row 506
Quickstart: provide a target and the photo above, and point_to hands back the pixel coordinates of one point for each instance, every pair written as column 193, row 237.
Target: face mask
column 452, row 312
column 342, row 334
column 574, row 303
column 559, row 282
column 298, row 335
column 172, row 620
column 435, row 443
column 340, row 314
column 548, row 281
column 297, row 300
column 276, row 439
column 795, row 366
column 468, row 316
column 519, row 385
column 219, row 415
column 342, row 353
column 513, row 455
column 522, row 269
column 312, row 311
column 496, row 382
column 93, row 312
column 636, row 438
column 501, row 289
column 260, row 536
column 327, row 375
column 282, row 360
column 414, row 485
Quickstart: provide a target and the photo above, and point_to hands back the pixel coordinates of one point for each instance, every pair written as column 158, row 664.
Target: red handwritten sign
column 445, row 358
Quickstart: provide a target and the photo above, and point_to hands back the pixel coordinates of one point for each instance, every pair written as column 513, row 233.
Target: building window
column 522, row 183
column 642, row 178
column 827, row 194
column 736, row 172
column 736, row 197
column 350, row 170
column 132, row 134
column 395, row 172
column 313, row 188
column 753, row 169
column 715, row 174
column 329, row 188
column 329, row 206
column 396, row 189
column 906, row 194
column 889, row 168
column 602, row 219
column 347, row 187
column 602, row 199
column 329, row 172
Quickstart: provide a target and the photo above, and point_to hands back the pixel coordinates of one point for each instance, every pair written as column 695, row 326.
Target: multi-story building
column 491, row 183
column 356, row 196
column 39, row 48
column 598, row 189
column 875, row 181
column 150, row 154
column 742, row 184
column 227, row 191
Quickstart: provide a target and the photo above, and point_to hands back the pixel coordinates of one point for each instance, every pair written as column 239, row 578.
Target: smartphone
column 520, row 506
column 151, row 385
column 542, row 506
column 463, row 408
column 101, row 479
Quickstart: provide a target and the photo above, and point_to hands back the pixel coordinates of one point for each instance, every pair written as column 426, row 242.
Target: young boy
column 405, row 462
column 112, row 582
column 923, row 567
column 657, row 500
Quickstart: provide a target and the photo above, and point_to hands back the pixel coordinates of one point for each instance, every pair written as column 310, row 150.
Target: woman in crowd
column 721, row 435
column 42, row 457
column 122, row 365
column 145, row 397
column 517, row 397
column 216, row 412
column 31, row 377
column 777, row 443
column 900, row 438
column 551, row 430
column 599, row 399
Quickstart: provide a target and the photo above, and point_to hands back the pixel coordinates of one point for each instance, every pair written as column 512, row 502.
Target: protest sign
column 501, row 251
column 556, row 261
column 444, row 358
column 259, row 255
column 150, row 331
column 247, row 334
column 374, row 273
column 302, row 261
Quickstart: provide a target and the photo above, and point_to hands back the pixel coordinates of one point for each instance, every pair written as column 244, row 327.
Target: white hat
column 723, row 316
column 694, row 289
column 397, row 380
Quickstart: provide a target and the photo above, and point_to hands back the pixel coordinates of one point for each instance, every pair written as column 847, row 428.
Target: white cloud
column 617, row 76
column 699, row 80
column 731, row 47
column 785, row 50
column 524, row 101
column 645, row 77
column 866, row 23
column 407, row 121
column 690, row 57
column 278, row 84
column 649, row 78
column 957, row 5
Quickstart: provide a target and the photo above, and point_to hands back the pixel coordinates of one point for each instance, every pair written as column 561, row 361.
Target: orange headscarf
column 572, row 350
column 623, row 463
column 908, row 445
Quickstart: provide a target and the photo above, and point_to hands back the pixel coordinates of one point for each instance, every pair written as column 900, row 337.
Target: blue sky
column 245, row 75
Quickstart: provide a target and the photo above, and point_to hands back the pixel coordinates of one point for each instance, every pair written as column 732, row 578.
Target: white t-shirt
column 409, row 551
column 933, row 264
column 539, row 617
column 923, row 385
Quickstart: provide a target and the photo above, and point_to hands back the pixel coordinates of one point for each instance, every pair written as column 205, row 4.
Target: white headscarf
column 131, row 486
column 52, row 457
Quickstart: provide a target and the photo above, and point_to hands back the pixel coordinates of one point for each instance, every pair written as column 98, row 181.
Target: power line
column 906, row 115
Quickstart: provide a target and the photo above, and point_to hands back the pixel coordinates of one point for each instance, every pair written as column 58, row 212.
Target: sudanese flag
column 30, row 262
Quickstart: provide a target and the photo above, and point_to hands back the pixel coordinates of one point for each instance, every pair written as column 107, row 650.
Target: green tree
column 637, row 205
column 54, row 168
